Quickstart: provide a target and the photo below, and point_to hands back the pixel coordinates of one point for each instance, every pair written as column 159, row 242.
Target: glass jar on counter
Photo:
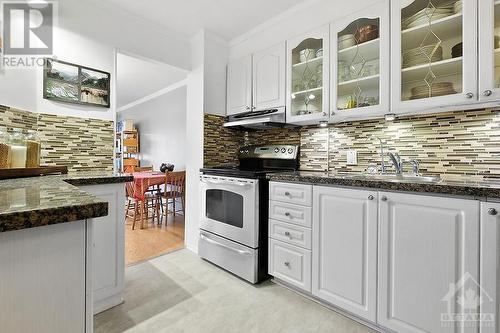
column 18, row 149
column 33, row 150
column 5, row 150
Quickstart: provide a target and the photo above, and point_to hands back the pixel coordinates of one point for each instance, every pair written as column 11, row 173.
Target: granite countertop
column 461, row 186
column 39, row 201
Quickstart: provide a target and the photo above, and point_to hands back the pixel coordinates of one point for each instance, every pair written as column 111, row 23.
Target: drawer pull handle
column 492, row 211
column 287, row 214
column 287, row 233
column 286, row 263
column 287, row 194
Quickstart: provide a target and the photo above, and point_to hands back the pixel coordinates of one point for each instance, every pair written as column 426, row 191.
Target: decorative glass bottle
column 33, row 150
column 18, row 149
column 5, row 150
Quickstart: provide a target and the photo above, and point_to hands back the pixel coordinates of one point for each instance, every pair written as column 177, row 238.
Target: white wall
column 162, row 129
column 215, row 57
column 298, row 20
column 194, row 140
column 87, row 33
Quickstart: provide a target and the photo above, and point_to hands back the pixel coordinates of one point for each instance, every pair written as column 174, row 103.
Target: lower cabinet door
column 345, row 249
column 490, row 267
column 428, row 263
column 108, row 258
column 291, row 264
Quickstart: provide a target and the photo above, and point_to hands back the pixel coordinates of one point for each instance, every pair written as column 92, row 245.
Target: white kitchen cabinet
column 490, row 266
column 430, row 68
column 344, row 268
column 43, row 279
column 108, row 253
column 290, row 264
column 297, row 194
column 360, row 64
column 290, row 213
column 269, row 78
column 426, row 246
column 489, row 50
column 307, row 89
column 239, row 85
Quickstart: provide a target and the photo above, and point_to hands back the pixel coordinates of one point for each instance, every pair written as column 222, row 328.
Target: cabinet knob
column 324, row 114
column 254, row 107
column 487, row 92
column 287, row 214
column 287, row 233
column 287, row 194
column 492, row 211
column 370, row 197
column 384, row 198
column 469, row 95
column 286, row 263
column 248, row 108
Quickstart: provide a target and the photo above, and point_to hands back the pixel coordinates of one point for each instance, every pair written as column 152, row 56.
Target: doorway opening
column 150, row 139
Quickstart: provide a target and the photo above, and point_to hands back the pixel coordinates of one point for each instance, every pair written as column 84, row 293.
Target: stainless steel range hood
column 258, row 119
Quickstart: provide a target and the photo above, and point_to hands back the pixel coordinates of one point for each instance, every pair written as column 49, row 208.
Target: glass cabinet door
column 489, row 50
column 307, row 80
column 435, row 53
column 360, row 76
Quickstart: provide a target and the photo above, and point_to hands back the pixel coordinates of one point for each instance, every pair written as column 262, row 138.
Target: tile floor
column 179, row 292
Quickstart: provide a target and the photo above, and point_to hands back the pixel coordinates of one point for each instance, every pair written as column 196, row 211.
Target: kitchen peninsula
column 56, row 235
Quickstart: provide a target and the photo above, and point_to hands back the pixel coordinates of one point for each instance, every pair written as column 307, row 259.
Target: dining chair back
column 142, row 169
column 175, row 187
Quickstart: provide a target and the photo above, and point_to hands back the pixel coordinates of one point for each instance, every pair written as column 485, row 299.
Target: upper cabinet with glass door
column 307, row 77
column 434, row 53
column 489, row 50
column 360, row 78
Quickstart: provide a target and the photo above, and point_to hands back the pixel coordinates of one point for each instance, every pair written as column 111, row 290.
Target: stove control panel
column 288, row 152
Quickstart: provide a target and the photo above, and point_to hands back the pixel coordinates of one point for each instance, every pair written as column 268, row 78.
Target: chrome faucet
column 396, row 161
column 383, row 168
column 416, row 167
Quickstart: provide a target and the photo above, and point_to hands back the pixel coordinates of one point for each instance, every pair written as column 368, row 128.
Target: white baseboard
column 107, row 303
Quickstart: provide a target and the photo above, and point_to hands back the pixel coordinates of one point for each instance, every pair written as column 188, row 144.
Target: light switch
column 352, row 157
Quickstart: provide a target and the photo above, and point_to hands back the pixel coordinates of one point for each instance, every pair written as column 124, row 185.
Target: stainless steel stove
column 234, row 206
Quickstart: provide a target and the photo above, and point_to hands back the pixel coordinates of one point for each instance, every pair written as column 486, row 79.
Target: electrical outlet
column 352, row 157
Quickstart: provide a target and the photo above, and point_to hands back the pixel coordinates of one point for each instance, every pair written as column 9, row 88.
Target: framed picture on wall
column 66, row 82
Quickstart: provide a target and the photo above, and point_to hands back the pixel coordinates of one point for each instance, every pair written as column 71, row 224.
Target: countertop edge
column 50, row 216
column 474, row 192
column 38, row 217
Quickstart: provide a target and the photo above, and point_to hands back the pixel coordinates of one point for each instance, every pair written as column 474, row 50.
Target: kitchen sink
column 393, row 177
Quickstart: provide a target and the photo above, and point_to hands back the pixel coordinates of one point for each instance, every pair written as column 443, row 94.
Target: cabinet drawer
column 290, row 264
column 292, row 193
column 290, row 234
column 295, row 214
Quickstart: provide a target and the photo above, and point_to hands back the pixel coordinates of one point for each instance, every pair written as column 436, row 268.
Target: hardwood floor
column 153, row 240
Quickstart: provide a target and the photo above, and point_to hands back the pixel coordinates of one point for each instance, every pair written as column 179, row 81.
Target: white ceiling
column 226, row 18
column 138, row 78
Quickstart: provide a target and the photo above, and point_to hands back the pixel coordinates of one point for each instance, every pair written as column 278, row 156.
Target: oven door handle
column 224, row 183
column 205, row 238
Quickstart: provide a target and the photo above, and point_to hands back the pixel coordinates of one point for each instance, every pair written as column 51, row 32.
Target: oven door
column 229, row 208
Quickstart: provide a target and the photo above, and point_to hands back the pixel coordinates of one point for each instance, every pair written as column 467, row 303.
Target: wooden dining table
column 144, row 180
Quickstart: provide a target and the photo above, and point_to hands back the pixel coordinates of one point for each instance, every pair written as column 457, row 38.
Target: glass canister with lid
column 33, row 150
column 18, row 149
column 5, row 150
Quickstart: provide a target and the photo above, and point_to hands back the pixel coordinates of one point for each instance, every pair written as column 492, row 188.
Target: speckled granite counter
column 38, row 201
column 447, row 186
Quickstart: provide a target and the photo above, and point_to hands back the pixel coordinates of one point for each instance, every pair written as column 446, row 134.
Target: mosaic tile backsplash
column 453, row 143
column 82, row 144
